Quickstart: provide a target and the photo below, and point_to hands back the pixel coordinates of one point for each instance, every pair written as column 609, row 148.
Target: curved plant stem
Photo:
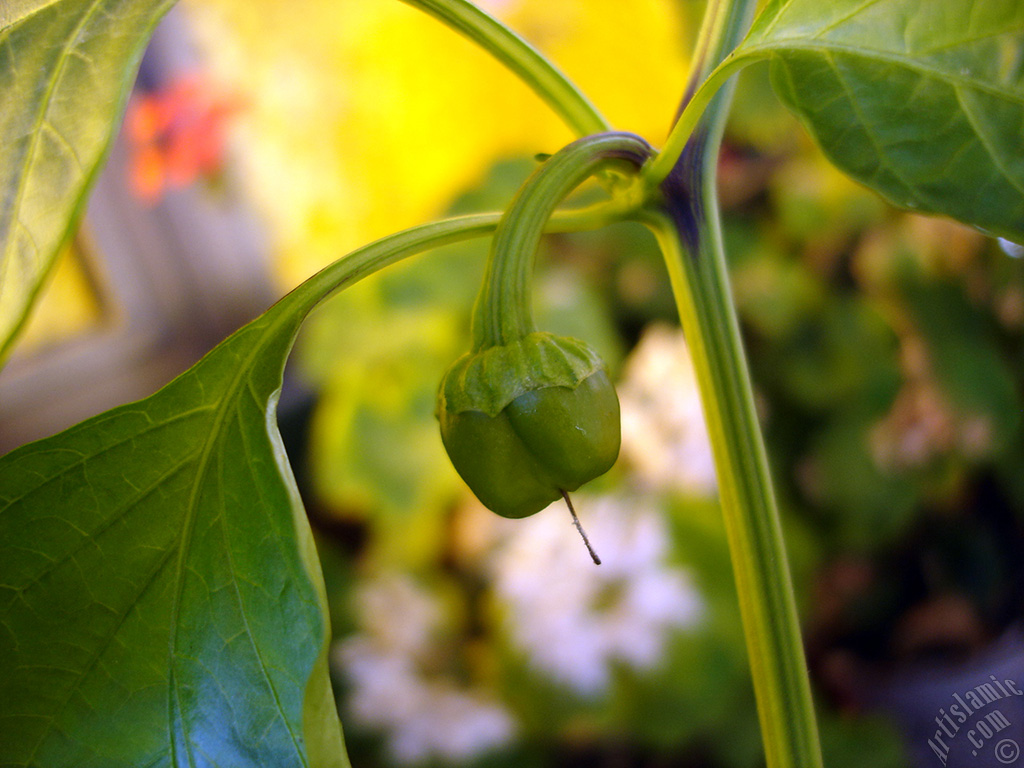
column 503, row 308
column 686, row 223
column 522, row 59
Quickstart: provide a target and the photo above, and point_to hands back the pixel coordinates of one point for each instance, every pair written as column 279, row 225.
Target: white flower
column 576, row 620
column 424, row 715
column 664, row 436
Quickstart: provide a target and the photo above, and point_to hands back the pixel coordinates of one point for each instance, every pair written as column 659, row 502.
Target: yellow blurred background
column 366, row 117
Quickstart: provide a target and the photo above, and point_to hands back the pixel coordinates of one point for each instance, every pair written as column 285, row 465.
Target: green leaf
column 922, row 101
column 66, row 67
column 161, row 602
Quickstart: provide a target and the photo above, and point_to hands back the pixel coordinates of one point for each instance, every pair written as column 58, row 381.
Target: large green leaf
column 922, row 100
column 66, row 67
column 160, row 598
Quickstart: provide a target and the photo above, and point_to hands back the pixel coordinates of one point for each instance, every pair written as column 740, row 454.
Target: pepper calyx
column 489, row 379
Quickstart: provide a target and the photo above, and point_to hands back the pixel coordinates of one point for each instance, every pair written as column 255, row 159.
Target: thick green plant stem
column 767, row 605
column 687, row 226
column 503, row 309
column 522, row 59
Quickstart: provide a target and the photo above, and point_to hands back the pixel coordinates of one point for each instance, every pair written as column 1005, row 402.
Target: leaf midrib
column 242, row 371
column 245, row 617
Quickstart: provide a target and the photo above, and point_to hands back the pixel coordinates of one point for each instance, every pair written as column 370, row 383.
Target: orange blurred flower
column 177, row 134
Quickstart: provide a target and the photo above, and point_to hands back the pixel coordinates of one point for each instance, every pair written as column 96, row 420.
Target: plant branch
column 688, row 229
column 525, row 61
column 715, row 61
column 503, row 309
column 388, row 250
column 690, row 115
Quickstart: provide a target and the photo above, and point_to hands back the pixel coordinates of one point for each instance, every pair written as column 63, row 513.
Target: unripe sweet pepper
column 528, row 421
column 527, row 416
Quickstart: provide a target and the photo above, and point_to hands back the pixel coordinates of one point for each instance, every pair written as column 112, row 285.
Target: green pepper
column 528, row 421
column 526, row 416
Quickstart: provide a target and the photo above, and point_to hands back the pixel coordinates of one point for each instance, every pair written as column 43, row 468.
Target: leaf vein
column 52, row 716
column 86, row 457
column 839, row 22
column 962, row 42
column 986, row 142
column 880, row 155
column 62, row 141
column 827, row 51
column 44, row 108
column 90, row 536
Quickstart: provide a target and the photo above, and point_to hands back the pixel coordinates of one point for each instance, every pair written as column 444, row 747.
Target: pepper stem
column 576, row 522
column 503, row 314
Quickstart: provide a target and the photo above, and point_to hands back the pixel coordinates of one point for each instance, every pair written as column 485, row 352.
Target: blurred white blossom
column 575, row 620
column 391, row 667
column 1010, row 248
column 664, row 437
